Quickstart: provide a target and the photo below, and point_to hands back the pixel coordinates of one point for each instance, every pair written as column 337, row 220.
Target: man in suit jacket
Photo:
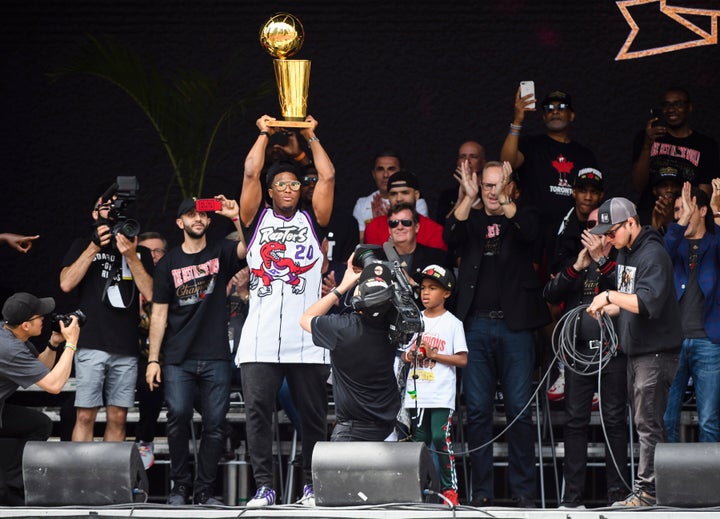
column 500, row 301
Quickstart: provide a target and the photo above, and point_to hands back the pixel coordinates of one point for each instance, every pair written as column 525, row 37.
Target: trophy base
column 288, row 124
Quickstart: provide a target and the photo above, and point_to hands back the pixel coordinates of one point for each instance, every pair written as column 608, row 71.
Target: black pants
column 308, row 386
column 20, row 424
column 579, row 390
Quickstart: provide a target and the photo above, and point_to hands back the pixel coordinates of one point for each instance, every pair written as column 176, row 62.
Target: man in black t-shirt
column 109, row 272
column 190, row 321
column 364, row 386
column 670, row 147
column 548, row 163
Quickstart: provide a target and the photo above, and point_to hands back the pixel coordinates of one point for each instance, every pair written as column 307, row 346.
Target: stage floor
column 389, row 511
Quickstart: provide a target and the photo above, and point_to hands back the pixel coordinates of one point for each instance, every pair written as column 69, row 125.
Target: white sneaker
column 556, row 393
column 308, row 498
column 147, row 454
column 265, row 496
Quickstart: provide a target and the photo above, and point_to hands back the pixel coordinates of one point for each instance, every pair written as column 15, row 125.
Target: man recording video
column 361, row 354
column 22, row 365
column 109, row 272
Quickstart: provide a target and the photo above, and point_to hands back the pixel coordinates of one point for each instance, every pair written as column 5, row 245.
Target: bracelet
column 506, row 202
column 71, row 346
column 514, row 133
column 52, row 348
column 300, row 156
column 517, row 127
column 153, row 362
column 607, row 297
column 313, row 139
column 235, row 218
column 265, row 133
column 337, row 293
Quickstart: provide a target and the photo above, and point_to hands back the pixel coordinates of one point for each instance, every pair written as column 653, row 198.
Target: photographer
column 109, row 272
column 22, row 365
column 361, row 354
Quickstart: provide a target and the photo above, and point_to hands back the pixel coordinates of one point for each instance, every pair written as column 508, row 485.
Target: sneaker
column 595, row 402
column 481, row 502
column 308, row 498
column 265, row 496
column 615, row 494
column 523, row 502
column 556, row 393
column 147, row 455
column 637, row 498
column 204, row 498
column 451, row 496
column 178, row 495
column 571, row 505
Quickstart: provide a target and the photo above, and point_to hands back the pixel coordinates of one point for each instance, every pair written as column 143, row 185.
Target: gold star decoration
column 676, row 13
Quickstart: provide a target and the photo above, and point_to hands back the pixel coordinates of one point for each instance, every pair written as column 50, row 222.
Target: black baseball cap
column 22, row 306
column 440, row 274
column 186, row 205
column 403, row 179
column 589, row 176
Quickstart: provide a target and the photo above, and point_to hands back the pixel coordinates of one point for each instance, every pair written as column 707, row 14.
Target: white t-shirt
column 435, row 385
column 363, row 209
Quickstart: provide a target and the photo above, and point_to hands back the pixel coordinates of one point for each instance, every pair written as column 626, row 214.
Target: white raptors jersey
column 285, row 261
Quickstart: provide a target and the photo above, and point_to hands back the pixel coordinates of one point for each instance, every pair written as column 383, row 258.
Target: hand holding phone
column 207, row 205
column 528, row 88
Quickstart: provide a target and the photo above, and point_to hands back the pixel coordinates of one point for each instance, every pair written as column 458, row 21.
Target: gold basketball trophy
column 282, row 36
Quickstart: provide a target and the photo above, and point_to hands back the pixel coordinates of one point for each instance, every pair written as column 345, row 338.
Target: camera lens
column 128, row 228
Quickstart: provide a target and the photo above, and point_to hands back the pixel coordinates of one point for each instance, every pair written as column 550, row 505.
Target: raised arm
column 324, row 194
column 510, row 151
column 251, row 196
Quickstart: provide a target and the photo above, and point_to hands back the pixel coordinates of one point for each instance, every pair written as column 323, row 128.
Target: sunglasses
column 551, row 107
column 404, row 222
column 611, row 233
column 280, row 185
column 310, row 179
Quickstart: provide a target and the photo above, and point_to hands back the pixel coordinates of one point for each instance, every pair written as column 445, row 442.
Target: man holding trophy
column 285, row 261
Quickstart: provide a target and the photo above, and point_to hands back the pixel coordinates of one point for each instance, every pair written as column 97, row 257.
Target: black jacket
column 645, row 269
column 521, row 295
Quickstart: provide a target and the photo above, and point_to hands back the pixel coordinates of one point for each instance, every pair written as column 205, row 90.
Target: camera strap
column 112, row 294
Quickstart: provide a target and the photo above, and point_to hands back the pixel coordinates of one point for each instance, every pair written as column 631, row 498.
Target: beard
column 192, row 233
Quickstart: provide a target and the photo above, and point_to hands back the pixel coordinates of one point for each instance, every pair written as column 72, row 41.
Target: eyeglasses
column 590, row 224
column 309, row 180
column 36, row 317
column 487, row 187
column 405, row 222
column 675, row 104
column 157, row 252
column 611, row 233
column 551, row 107
column 280, row 185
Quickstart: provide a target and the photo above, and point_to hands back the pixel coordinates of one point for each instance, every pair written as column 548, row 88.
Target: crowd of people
column 521, row 243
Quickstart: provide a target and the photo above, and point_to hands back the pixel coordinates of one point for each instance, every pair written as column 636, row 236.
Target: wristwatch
column 602, row 260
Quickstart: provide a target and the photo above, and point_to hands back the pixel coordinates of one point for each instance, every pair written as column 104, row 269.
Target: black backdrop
column 419, row 77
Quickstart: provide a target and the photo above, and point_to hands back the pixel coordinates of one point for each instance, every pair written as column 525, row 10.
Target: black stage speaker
column 687, row 474
column 83, row 473
column 371, row 473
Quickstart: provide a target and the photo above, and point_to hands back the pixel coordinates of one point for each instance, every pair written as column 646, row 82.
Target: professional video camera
column 409, row 320
column 120, row 195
